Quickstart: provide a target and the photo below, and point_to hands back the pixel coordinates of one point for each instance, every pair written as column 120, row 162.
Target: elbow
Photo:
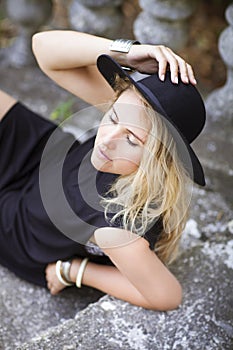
column 167, row 301
column 39, row 48
column 174, row 302
column 36, row 43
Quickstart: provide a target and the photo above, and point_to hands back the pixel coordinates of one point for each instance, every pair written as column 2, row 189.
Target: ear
column 112, row 237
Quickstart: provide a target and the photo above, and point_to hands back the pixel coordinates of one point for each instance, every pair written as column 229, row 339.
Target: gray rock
column 28, row 16
column 100, row 20
column 26, row 310
column 169, row 10
column 151, row 30
column 220, row 102
column 164, row 22
column 100, row 3
column 216, row 142
column 204, row 321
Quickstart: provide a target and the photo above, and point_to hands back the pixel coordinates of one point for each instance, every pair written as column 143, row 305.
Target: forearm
column 69, row 58
column 141, row 267
column 142, row 291
column 66, row 49
column 109, row 280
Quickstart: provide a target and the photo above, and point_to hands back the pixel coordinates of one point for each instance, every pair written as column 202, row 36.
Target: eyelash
column 127, row 137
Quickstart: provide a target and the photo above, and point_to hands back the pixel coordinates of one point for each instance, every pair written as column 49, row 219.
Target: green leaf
column 63, row 111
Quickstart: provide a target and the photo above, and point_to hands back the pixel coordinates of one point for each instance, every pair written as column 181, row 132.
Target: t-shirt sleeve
column 152, row 235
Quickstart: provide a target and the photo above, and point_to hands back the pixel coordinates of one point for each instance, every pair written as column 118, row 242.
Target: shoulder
column 113, row 237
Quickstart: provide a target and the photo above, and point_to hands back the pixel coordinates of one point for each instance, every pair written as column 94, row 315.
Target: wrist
column 120, row 48
column 122, row 45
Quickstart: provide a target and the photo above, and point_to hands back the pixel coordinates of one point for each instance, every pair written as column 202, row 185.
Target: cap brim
column 109, row 68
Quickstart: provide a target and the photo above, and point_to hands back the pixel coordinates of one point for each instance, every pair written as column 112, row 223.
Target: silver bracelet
column 81, row 272
column 122, row 45
column 66, row 265
column 59, row 275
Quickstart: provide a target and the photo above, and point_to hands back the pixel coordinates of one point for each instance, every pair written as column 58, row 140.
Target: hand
column 53, row 283
column 156, row 58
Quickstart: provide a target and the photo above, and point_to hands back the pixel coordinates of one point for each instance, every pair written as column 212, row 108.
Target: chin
column 100, row 166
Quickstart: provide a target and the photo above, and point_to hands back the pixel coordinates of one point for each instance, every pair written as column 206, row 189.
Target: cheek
column 128, row 161
column 131, row 154
column 100, row 133
column 124, row 167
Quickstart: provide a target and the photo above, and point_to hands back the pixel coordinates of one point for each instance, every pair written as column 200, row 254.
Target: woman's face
column 121, row 136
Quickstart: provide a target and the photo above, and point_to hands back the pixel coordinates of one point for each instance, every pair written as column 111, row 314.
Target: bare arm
column 145, row 281
column 69, row 58
column 138, row 276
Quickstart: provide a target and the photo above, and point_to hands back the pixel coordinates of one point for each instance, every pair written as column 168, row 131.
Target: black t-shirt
column 49, row 194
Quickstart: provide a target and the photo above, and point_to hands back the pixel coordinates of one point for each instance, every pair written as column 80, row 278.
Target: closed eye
column 113, row 116
column 115, row 120
column 131, row 142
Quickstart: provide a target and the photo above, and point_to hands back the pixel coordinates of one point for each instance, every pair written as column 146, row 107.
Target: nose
column 112, row 136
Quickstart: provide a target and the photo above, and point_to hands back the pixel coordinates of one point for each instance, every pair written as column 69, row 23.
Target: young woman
column 107, row 213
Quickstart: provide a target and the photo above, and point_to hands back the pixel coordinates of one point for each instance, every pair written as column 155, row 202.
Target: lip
column 102, row 155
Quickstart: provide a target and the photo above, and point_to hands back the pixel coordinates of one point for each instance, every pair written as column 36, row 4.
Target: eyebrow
column 130, row 131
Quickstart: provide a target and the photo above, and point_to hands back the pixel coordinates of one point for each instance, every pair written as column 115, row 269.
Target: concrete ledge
column 203, row 322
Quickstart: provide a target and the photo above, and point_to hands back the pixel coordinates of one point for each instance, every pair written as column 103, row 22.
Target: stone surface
column 220, row 102
column 164, row 22
column 35, row 89
column 169, row 10
column 28, row 16
column 203, row 322
column 100, row 3
column 27, row 310
column 216, row 142
column 105, row 20
column 151, row 30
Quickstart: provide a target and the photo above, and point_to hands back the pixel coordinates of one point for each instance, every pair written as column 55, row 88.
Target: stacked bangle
column 60, row 275
column 81, row 272
column 63, row 269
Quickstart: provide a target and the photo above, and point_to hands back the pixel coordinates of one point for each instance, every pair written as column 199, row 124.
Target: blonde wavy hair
column 157, row 189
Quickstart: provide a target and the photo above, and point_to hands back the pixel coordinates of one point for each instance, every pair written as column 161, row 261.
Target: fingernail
column 194, row 80
column 176, row 80
column 162, row 77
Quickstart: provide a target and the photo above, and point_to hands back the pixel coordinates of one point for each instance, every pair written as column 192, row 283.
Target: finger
column 186, row 71
column 53, row 291
column 162, row 69
column 173, row 63
column 161, row 59
column 183, row 69
column 191, row 74
column 47, row 269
